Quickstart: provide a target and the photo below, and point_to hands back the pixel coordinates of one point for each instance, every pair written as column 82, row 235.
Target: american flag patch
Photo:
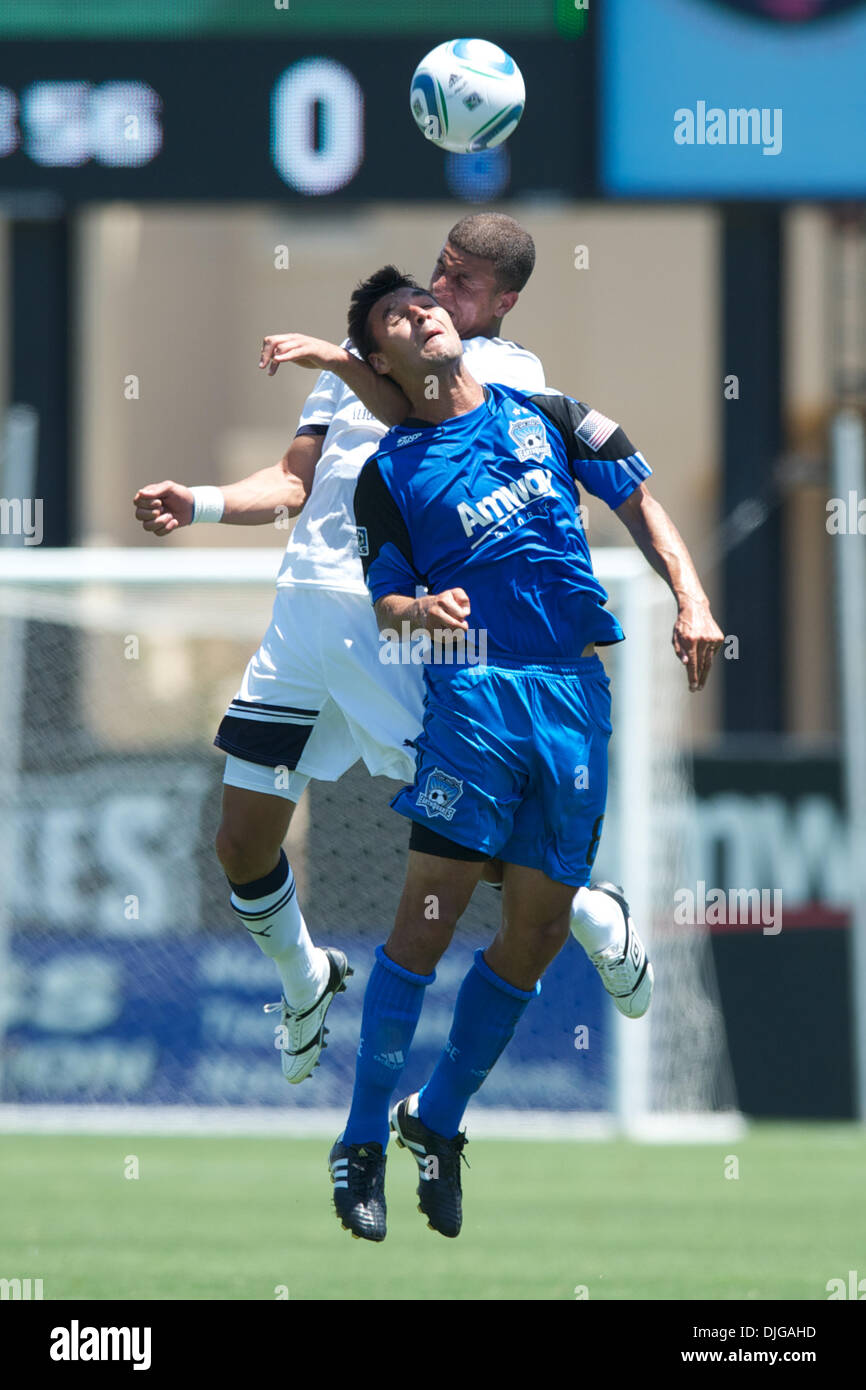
column 595, row 428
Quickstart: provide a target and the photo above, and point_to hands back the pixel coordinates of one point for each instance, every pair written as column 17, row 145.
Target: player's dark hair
column 368, row 293
column 500, row 240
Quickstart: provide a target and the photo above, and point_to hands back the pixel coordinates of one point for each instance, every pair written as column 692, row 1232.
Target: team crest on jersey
column 363, row 543
column 530, row 438
column 441, row 794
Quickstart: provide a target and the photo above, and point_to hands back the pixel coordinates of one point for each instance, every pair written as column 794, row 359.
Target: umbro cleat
column 627, row 974
column 304, row 1031
column 440, row 1198
column 358, row 1175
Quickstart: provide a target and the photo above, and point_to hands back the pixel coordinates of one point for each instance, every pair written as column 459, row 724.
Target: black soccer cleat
column 439, row 1191
column 358, row 1175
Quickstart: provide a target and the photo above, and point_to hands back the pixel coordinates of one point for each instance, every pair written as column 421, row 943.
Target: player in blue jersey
column 474, row 497
column 316, row 696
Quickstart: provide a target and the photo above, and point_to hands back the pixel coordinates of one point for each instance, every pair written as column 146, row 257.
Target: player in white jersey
column 316, row 697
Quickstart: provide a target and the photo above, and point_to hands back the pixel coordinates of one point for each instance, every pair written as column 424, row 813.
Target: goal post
column 848, row 474
column 129, row 984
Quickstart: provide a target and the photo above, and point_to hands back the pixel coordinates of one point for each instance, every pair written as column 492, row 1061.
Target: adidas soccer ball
column 467, row 95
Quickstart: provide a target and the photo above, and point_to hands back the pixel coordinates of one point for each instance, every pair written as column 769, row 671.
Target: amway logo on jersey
column 502, row 501
column 75, row 1343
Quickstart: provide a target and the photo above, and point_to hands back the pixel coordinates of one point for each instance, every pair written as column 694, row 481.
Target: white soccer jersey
column 316, row 697
column 323, row 547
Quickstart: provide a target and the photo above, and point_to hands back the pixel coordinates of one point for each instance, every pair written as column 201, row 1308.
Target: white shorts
column 315, row 698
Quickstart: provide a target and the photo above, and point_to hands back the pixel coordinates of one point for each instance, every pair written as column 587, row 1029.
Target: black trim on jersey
column 377, row 513
column 260, row 706
column 567, row 414
column 311, row 429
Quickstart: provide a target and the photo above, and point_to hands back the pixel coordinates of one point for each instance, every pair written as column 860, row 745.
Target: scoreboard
column 285, row 19
column 252, row 119
column 304, row 100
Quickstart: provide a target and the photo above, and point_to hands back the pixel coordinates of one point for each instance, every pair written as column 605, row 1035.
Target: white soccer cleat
column 303, row 1031
column 627, row 975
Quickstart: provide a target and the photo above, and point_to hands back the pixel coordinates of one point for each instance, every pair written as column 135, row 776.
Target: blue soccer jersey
column 488, row 502
column 512, row 757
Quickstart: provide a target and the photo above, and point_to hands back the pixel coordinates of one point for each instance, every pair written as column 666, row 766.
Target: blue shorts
column 512, row 762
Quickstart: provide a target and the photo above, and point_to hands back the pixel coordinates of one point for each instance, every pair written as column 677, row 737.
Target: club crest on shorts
column 530, row 438
column 441, row 794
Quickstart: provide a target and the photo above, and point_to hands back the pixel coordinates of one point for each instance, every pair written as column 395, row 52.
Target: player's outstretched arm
column 697, row 636
column 253, row 501
column 382, row 397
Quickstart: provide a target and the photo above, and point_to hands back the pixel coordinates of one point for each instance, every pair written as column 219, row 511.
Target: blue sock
column 392, row 1007
column 487, row 1012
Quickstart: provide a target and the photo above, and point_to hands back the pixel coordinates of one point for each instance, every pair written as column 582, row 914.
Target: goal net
column 127, row 984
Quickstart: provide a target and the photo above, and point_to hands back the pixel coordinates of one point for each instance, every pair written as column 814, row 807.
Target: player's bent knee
column 548, row 941
column 540, row 941
column 242, row 857
column 229, row 852
column 554, row 929
column 558, row 933
column 419, row 948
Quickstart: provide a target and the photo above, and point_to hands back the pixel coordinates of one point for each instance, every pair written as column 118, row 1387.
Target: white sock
column 597, row 921
column 269, row 910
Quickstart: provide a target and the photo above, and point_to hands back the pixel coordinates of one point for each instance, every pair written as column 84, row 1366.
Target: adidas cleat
column 304, row 1031
column 439, row 1193
column 358, row 1175
column 627, row 974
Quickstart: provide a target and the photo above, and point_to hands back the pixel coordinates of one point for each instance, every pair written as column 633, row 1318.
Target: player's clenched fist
column 163, row 507
column 449, row 610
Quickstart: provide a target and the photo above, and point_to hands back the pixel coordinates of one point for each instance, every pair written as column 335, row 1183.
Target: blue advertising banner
column 701, row 100
column 170, row 1020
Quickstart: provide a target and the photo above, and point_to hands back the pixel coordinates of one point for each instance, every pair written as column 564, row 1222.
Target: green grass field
column 235, row 1218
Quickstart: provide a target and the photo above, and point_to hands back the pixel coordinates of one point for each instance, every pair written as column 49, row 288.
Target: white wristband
column 208, row 504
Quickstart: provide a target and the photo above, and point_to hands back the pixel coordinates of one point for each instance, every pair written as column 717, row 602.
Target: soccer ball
column 467, row 95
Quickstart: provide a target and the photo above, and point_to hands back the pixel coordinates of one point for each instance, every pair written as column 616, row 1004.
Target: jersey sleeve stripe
column 636, row 467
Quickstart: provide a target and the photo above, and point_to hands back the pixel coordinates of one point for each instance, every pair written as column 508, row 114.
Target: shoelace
column 281, row 1004
column 460, row 1141
column 611, row 956
column 292, row 1022
column 358, row 1168
column 291, row 1013
column 617, row 967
